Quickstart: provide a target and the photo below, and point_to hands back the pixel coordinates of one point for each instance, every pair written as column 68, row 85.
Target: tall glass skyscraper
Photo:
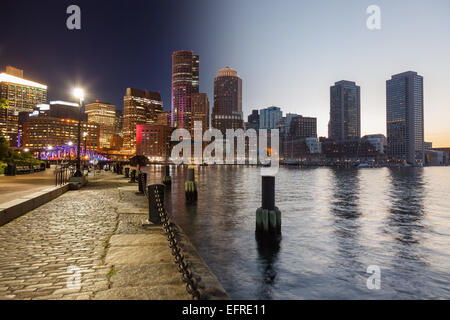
column 345, row 111
column 185, row 80
column 269, row 118
column 404, row 118
column 227, row 110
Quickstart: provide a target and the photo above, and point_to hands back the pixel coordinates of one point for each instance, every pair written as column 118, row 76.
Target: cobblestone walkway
column 72, row 232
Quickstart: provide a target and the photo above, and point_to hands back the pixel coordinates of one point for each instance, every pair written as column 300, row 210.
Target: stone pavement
column 12, row 187
column 90, row 244
column 140, row 261
column 71, row 231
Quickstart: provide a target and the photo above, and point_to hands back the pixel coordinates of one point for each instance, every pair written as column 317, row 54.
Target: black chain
column 180, row 259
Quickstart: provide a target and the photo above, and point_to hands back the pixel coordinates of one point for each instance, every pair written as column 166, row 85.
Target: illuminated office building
column 64, row 110
column 140, row 107
column 41, row 132
column 118, row 122
column 153, row 141
column 185, row 81
column 22, row 96
column 345, row 111
column 200, row 109
column 227, row 110
column 404, row 118
column 164, row 118
column 104, row 115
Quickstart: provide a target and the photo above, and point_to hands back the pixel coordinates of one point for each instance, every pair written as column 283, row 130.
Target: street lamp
column 85, row 134
column 79, row 94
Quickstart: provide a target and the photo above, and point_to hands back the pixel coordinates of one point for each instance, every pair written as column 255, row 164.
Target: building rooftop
column 4, row 77
column 227, row 72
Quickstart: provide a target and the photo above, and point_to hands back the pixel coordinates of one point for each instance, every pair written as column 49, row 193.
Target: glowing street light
column 70, row 143
column 26, row 150
column 79, row 94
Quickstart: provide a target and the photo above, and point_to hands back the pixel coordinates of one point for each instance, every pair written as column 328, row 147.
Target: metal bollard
column 133, row 176
column 142, row 180
column 155, row 190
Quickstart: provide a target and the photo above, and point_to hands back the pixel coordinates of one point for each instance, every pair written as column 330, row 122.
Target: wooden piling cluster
column 190, row 186
column 268, row 216
column 167, row 179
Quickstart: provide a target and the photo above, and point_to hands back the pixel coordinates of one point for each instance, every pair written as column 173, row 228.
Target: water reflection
column 336, row 222
column 346, row 212
column 406, row 212
column 405, row 222
column 268, row 248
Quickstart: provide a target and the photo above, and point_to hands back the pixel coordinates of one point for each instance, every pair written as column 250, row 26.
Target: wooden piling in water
column 190, row 186
column 167, row 180
column 268, row 216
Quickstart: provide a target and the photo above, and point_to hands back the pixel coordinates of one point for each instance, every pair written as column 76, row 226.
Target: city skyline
column 301, row 69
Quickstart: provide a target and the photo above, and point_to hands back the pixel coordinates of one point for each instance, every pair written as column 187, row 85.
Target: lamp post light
column 85, row 134
column 79, row 94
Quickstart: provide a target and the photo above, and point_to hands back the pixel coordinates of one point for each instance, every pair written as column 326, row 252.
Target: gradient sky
column 287, row 52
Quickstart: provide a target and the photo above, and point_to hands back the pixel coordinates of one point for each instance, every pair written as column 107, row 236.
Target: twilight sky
column 287, row 52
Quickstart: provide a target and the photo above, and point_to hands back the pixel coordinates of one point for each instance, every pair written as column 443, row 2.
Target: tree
column 4, row 103
column 4, row 148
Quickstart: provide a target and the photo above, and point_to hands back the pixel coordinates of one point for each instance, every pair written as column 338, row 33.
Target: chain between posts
column 180, row 260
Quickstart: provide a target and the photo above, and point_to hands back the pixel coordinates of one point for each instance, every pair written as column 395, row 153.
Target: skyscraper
column 140, row 107
column 404, row 117
column 269, row 118
column 200, row 109
column 185, row 81
column 345, row 111
column 104, row 115
column 227, row 110
column 23, row 96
